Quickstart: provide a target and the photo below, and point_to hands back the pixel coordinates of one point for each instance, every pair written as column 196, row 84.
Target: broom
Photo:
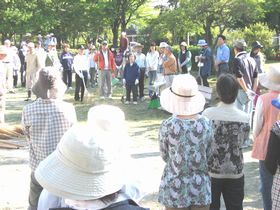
column 86, row 93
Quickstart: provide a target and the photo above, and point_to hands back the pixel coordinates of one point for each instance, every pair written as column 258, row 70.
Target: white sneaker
column 110, row 96
column 126, row 102
column 134, row 102
column 102, row 97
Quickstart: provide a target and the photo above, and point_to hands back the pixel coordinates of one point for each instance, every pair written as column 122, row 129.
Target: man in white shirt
column 141, row 62
column 81, row 67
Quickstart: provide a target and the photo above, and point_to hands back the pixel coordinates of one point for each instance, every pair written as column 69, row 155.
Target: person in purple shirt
column 222, row 57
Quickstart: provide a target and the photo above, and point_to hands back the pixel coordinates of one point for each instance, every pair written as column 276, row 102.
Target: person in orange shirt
column 169, row 65
column 106, row 65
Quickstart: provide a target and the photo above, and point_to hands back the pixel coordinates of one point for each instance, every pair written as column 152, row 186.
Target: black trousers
column 67, row 77
column 232, row 191
column 130, row 88
column 80, row 86
column 23, row 75
column 204, row 80
column 15, row 81
column 141, row 82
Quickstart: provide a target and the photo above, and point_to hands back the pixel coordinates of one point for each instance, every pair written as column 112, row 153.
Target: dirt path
column 146, row 165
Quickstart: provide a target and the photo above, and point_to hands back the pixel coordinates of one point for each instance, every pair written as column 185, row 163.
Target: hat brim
column 202, row 45
column 65, row 181
column 267, row 83
column 258, row 47
column 182, row 105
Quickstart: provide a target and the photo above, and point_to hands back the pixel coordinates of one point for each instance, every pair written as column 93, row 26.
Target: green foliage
column 256, row 32
column 272, row 15
column 80, row 20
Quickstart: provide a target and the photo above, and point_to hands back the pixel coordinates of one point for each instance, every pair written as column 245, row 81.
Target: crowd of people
column 83, row 166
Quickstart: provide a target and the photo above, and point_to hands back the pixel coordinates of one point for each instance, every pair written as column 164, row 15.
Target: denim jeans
column 266, row 185
column 232, row 191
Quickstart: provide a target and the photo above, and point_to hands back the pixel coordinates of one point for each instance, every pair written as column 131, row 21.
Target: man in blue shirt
column 222, row 57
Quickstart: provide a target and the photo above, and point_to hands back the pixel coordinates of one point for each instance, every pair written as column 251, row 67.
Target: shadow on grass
column 253, row 197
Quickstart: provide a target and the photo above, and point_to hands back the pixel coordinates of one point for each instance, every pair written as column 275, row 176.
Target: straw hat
column 271, row 79
column 184, row 44
column 31, row 45
column 138, row 45
column 49, row 84
column 183, row 97
column 163, row 45
column 240, row 44
column 88, row 163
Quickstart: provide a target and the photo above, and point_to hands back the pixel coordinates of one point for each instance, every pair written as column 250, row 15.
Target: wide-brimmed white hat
column 89, row 160
column 184, row 44
column 183, row 97
column 271, row 79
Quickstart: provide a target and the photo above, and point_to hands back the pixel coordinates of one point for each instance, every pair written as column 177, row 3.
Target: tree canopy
column 82, row 20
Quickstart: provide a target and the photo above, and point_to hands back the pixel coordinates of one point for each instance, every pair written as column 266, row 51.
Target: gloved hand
column 251, row 94
column 136, row 82
column 123, row 80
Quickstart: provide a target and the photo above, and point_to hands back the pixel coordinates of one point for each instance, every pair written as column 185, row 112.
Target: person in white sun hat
column 88, row 168
column 185, row 140
column 265, row 116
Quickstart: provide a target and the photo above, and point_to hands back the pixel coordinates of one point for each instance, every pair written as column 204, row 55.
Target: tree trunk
column 208, row 32
column 73, row 42
column 115, row 31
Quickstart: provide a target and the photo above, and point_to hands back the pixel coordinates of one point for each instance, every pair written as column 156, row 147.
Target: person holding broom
column 81, row 67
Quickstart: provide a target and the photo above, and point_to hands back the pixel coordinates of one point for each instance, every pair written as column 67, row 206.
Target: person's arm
column 155, row 61
column 163, row 142
column 255, row 84
column 112, row 61
column 225, row 55
column 258, row 118
column 255, row 79
column 137, row 75
column 76, row 66
column 25, row 124
column 179, row 64
column 273, row 155
column 49, row 201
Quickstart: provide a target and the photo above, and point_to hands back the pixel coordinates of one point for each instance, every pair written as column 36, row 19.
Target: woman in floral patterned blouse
column 184, row 145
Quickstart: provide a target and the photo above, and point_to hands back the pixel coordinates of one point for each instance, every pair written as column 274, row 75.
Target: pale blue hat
column 202, row 42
